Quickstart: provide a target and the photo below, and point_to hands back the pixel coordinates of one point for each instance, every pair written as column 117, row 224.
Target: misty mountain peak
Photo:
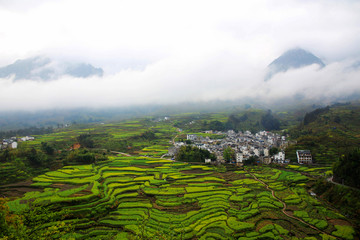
column 45, row 69
column 292, row 59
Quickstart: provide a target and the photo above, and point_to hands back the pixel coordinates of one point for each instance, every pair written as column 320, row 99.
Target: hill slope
column 328, row 132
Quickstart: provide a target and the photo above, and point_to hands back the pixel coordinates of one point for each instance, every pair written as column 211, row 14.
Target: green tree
column 82, row 156
column 86, row 141
column 347, row 169
column 36, row 158
column 273, row 151
column 229, row 154
column 47, row 148
column 193, row 154
column 251, row 160
column 6, row 156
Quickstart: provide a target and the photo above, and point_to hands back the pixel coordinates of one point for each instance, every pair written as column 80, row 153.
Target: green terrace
column 152, row 198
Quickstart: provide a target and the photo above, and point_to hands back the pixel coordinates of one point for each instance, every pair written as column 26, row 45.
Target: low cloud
column 174, row 80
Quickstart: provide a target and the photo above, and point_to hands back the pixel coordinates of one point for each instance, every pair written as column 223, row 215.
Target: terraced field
column 123, row 136
column 152, row 198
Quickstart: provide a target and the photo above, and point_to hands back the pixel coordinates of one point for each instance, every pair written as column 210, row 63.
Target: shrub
column 344, row 231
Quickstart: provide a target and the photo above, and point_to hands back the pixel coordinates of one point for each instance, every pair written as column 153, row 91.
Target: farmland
column 152, row 198
column 135, row 193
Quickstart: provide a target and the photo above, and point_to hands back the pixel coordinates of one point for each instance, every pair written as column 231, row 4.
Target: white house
column 207, row 160
column 239, row 157
column 14, row 145
column 279, row 157
column 27, row 138
column 256, row 152
column 266, row 152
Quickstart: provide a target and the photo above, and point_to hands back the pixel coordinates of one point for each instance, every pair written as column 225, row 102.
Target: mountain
column 45, row 69
column 292, row 59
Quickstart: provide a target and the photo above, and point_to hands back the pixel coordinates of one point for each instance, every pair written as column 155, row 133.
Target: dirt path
column 331, row 180
column 125, row 154
column 284, row 207
column 128, row 155
column 174, row 139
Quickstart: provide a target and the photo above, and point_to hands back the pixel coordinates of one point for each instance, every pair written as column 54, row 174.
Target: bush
column 344, row 231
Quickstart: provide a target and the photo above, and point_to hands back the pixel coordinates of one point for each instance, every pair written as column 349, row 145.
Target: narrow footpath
column 125, row 154
column 284, row 207
column 331, row 180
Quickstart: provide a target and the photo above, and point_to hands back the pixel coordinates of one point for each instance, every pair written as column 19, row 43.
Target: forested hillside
column 328, row 132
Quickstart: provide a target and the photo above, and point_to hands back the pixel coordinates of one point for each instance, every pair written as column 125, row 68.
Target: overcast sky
column 168, row 51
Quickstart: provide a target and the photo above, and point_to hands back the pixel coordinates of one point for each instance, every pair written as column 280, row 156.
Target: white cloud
column 181, row 80
column 170, row 51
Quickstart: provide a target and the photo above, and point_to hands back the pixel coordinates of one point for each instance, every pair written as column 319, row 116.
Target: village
column 264, row 147
column 259, row 146
column 13, row 142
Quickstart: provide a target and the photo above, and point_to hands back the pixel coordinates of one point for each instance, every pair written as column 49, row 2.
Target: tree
column 229, row 154
column 85, row 140
column 47, row 148
column 251, row 160
column 347, row 169
column 82, row 156
column 36, row 158
column 6, row 156
column 193, row 154
column 273, row 151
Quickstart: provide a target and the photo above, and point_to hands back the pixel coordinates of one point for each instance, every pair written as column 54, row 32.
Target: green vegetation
column 345, row 232
column 250, row 119
column 229, row 154
column 328, row 132
column 129, row 196
column 347, row 169
column 95, row 193
column 193, row 154
column 344, row 198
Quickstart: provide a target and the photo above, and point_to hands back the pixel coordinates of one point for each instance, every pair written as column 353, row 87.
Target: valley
column 131, row 190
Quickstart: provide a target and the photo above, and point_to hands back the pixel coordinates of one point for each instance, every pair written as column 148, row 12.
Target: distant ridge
column 44, row 69
column 292, row 59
